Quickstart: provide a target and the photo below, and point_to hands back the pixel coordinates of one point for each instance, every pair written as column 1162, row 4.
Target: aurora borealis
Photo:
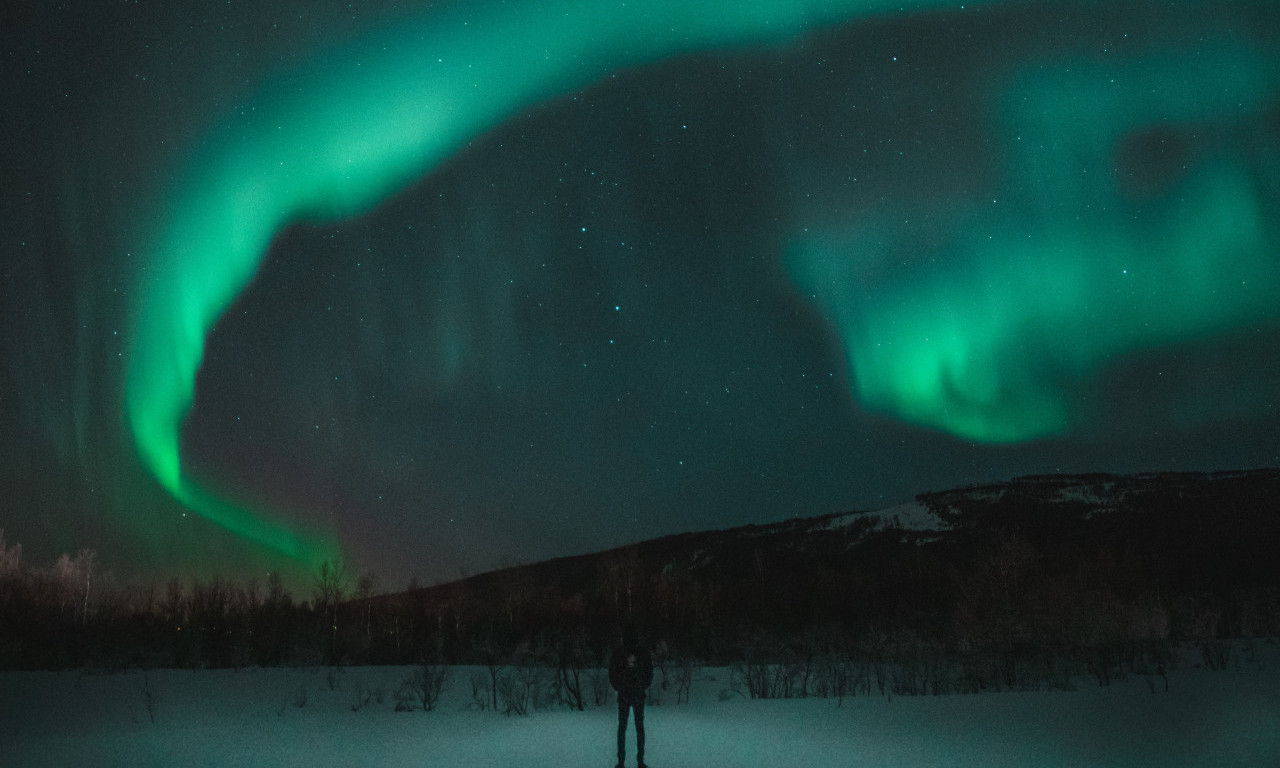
column 335, row 136
column 1065, row 267
column 427, row 287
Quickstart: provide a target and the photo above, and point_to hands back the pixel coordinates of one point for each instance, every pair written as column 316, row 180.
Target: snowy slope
column 912, row 516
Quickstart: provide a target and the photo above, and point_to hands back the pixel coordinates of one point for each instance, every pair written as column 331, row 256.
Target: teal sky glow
column 1070, row 264
column 338, row 134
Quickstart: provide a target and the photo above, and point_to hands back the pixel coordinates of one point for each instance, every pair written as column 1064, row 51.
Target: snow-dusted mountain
column 1050, row 559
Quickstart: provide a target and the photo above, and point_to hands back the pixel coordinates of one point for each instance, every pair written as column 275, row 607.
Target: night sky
column 435, row 287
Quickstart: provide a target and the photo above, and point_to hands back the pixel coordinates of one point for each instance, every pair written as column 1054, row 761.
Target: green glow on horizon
column 337, row 136
column 1062, row 271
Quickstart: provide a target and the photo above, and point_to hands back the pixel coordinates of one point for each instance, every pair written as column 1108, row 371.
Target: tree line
column 1026, row 588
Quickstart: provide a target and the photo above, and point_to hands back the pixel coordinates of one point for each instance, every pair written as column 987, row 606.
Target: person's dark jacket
column 631, row 672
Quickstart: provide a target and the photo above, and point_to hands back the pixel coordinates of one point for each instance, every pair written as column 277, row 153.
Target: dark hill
column 1017, row 584
column 1055, row 562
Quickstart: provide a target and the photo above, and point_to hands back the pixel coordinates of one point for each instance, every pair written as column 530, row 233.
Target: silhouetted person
column 630, row 674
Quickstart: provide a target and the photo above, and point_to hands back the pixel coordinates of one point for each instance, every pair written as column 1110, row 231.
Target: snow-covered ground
column 259, row 718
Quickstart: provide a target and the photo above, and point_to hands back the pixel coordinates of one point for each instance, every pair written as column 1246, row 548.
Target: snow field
column 261, row 718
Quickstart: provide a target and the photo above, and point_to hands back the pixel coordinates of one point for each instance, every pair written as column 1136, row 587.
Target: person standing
column 630, row 674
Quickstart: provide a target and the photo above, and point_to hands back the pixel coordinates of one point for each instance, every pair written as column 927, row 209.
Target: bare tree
column 251, row 595
column 571, row 658
column 277, row 596
column 330, row 585
column 10, row 567
column 490, row 656
column 368, row 586
column 144, row 597
column 10, row 557
column 74, row 578
column 423, row 687
column 621, row 572
column 174, row 607
column 515, row 585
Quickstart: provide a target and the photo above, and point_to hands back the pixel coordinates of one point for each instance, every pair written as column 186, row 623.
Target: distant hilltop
column 1061, row 561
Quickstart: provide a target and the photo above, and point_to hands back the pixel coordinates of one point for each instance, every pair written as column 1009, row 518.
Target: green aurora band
column 1070, row 267
column 337, row 136
column 1069, row 271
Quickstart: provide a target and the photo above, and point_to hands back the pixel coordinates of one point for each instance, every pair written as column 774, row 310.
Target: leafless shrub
column 764, row 680
column 148, row 696
column 571, row 658
column 492, row 658
column 834, row 676
column 661, row 662
column 481, row 691
column 685, row 672
column 768, row 669
column 423, row 688
column 530, row 683
column 361, row 697
column 406, row 697
column 1216, row 654
column 514, row 696
column 598, row 680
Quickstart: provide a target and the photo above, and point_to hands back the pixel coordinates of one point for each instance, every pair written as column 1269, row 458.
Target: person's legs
column 639, row 710
column 622, row 730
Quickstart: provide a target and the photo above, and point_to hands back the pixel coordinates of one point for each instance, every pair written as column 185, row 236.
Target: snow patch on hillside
column 911, row 516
